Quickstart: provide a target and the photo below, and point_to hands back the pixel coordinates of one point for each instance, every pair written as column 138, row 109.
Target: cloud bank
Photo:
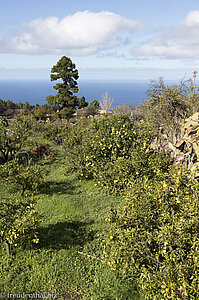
column 86, row 33
column 83, row 33
column 177, row 42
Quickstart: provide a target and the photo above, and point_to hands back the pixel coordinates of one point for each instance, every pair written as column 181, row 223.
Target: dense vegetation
column 65, row 100
column 98, row 208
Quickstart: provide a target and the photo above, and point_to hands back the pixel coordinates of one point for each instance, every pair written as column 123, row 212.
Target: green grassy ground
column 67, row 261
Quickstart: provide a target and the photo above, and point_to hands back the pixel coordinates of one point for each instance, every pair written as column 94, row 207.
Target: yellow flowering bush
column 108, row 150
column 154, row 235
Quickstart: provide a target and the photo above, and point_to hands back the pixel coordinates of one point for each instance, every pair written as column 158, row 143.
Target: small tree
column 93, row 108
column 24, row 177
column 168, row 106
column 13, row 134
column 124, row 109
column 40, row 112
column 65, row 99
column 18, row 220
column 153, row 235
column 106, row 102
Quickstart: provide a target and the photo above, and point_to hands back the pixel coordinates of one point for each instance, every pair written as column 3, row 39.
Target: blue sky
column 107, row 40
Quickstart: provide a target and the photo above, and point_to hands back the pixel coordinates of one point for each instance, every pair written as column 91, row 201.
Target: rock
column 180, row 144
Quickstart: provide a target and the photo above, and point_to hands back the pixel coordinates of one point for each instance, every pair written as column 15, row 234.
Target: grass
column 67, row 261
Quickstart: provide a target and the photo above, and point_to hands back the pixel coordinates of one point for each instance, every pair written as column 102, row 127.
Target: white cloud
column 192, row 18
column 113, row 54
column 177, row 42
column 82, row 33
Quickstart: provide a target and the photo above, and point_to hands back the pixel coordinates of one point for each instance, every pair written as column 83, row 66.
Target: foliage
column 116, row 175
column 24, row 176
column 93, row 108
column 125, row 109
column 39, row 112
column 73, row 144
column 106, row 148
column 168, row 106
column 154, row 235
column 18, row 217
column 151, row 235
column 4, row 105
column 73, row 218
column 65, row 100
column 193, row 96
column 13, row 135
column 55, row 131
column 38, row 127
column 18, row 221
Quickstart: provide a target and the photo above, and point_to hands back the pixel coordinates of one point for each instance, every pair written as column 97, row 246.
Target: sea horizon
column 131, row 92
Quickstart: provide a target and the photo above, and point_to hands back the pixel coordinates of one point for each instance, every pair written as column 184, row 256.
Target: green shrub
column 168, row 106
column 55, row 131
column 74, row 143
column 13, row 136
column 116, row 175
column 18, row 221
column 94, row 144
column 124, row 109
column 24, row 176
column 18, row 217
column 154, row 236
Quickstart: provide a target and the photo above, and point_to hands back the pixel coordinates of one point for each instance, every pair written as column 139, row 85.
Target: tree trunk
column 22, row 192
column 7, row 247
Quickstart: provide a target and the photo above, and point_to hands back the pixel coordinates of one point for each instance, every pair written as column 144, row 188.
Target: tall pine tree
column 65, row 100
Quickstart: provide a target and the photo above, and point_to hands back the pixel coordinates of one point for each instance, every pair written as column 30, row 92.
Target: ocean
column 35, row 92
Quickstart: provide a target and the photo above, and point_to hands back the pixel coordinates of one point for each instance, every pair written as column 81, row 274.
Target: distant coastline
column 35, row 91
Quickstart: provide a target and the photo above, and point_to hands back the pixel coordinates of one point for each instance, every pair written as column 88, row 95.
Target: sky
column 107, row 39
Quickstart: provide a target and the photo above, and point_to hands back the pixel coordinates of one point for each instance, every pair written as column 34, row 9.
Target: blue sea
column 35, row 92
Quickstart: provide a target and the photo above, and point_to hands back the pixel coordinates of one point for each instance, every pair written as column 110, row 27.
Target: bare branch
column 106, row 102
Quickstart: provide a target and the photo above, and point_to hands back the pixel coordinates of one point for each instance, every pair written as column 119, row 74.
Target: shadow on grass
column 63, row 235
column 59, row 187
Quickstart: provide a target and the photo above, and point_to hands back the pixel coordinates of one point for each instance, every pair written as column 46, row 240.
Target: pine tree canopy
column 65, row 99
